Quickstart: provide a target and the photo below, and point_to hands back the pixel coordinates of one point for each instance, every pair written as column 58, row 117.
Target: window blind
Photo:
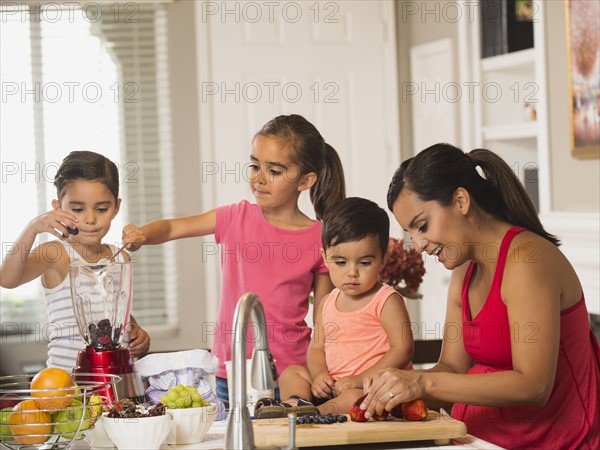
column 138, row 43
column 131, row 114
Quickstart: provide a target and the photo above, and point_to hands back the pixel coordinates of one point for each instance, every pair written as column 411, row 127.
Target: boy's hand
column 139, row 341
column 133, row 237
column 345, row 383
column 322, row 385
column 56, row 222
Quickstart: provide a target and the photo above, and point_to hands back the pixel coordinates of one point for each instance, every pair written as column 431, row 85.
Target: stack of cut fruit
column 51, row 405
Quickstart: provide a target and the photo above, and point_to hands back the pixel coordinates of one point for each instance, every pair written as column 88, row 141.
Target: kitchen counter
column 215, row 440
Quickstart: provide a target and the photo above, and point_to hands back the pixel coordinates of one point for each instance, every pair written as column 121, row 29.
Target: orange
column 60, row 381
column 27, row 419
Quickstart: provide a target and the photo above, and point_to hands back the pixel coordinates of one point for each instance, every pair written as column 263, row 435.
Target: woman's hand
column 322, row 385
column 346, row 383
column 56, row 222
column 139, row 340
column 389, row 388
column 133, row 236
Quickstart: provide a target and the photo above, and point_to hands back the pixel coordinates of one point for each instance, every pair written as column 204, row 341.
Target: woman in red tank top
column 519, row 359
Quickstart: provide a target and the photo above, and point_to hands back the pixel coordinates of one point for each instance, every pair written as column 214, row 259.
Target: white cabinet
column 496, row 118
column 507, row 113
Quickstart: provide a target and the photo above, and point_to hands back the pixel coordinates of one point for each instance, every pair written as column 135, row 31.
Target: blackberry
column 73, row 231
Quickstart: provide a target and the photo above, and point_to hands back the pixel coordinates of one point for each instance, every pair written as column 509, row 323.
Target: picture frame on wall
column 583, row 47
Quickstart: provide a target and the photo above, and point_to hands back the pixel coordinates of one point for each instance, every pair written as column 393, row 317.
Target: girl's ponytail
column 513, row 204
column 330, row 187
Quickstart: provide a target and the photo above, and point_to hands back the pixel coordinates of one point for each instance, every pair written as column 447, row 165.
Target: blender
column 101, row 295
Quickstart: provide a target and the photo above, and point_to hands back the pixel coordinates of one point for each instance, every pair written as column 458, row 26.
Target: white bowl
column 97, row 437
column 147, row 433
column 190, row 425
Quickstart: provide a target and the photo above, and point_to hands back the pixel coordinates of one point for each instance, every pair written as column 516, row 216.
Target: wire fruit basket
column 29, row 426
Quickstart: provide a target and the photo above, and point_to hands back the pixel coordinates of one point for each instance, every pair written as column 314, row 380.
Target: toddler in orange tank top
column 361, row 326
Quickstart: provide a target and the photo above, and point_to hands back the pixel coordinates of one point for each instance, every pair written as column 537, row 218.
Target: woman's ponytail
column 513, row 204
column 330, row 187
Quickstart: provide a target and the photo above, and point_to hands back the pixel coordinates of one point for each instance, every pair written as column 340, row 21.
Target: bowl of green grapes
column 192, row 415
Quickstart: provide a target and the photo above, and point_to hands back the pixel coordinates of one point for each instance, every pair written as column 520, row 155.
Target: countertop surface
column 215, row 439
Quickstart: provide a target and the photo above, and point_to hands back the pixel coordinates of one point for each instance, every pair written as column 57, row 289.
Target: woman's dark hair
column 436, row 173
column 90, row 166
column 353, row 219
column 309, row 150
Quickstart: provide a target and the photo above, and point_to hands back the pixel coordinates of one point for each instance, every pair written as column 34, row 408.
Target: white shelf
column 509, row 61
column 524, row 130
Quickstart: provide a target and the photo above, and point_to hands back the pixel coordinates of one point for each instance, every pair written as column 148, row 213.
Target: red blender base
column 114, row 362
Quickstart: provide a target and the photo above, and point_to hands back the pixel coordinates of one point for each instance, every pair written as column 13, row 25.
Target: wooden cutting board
column 274, row 432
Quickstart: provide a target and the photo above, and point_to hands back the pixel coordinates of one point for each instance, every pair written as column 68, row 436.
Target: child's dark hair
column 90, row 166
column 353, row 219
column 436, row 172
column 309, row 150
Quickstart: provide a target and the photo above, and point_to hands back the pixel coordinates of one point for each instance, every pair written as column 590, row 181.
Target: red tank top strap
column 502, row 253
column 497, row 281
column 466, row 312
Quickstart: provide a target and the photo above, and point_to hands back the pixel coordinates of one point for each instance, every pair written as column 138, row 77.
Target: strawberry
column 414, row 410
column 357, row 414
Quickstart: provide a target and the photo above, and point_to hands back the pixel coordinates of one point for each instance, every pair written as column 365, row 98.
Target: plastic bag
column 163, row 371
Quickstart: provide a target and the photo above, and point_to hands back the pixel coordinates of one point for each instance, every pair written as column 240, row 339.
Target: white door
column 332, row 62
column 432, row 103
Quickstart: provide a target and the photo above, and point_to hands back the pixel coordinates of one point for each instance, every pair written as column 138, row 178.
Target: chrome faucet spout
column 239, row 434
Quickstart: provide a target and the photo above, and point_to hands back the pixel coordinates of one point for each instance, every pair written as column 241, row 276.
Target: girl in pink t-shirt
column 270, row 248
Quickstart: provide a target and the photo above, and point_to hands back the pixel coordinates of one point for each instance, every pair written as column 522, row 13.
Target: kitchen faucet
column 239, row 434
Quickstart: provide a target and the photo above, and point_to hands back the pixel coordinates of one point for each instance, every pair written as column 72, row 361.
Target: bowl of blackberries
column 131, row 426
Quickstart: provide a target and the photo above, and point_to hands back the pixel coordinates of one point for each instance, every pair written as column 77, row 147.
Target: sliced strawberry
column 414, row 410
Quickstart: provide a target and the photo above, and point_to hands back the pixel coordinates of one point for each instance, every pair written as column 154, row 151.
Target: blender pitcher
column 101, row 294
